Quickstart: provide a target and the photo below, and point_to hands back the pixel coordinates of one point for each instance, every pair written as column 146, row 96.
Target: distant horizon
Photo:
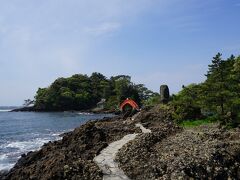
column 5, row 107
column 154, row 41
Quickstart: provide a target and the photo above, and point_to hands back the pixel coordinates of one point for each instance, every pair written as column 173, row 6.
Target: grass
column 195, row 123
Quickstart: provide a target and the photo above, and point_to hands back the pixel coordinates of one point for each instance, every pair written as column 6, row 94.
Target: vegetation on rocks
column 170, row 152
column 195, row 123
column 218, row 95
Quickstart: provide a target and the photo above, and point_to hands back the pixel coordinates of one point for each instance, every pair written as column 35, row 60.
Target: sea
column 21, row 132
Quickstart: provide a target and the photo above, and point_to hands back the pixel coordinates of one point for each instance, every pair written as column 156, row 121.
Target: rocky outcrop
column 72, row 157
column 158, row 119
column 168, row 152
column 106, row 159
column 24, row 109
column 201, row 153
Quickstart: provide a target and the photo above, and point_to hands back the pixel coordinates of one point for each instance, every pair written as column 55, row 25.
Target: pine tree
column 218, row 92
column 216, row 62
column 235, row 85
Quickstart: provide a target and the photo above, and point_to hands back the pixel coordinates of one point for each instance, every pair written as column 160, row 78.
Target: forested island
column 81, row 92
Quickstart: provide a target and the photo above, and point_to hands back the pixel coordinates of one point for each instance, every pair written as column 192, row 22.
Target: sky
column 154, row 41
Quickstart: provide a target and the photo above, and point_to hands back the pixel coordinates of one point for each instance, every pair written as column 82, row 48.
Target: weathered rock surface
column 106, row 159
column 168, row 152
column 200, row 153
column 71, row 157
column 157, row 119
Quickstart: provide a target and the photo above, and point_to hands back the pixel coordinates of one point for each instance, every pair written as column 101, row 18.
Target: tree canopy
column 82, row 92
column 218, row 95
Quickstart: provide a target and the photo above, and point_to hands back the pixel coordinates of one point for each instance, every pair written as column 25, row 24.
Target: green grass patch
column 195, row 123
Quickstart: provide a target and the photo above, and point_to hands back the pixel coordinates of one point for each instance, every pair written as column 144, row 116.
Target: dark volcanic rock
column 169, row 152
column 201, row 153
column 2, row 174
column 24, row 109
column 158, row 119
column 71, row 157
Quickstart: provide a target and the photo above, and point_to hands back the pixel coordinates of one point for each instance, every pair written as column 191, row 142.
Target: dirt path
column 106, row 159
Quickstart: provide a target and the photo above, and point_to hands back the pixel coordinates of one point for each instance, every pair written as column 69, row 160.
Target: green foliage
column 195, row 123
column 187, row 103
column 81, row 92
column 219, row 95
column 144, row 93
column 218, row 92
column 152, row 100
column 28, row 102
column 112, row 103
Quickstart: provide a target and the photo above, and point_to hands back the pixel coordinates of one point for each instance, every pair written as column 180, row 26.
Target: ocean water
column 21, row 132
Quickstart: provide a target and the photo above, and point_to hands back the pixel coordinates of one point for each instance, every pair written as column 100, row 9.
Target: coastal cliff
column 169, row 151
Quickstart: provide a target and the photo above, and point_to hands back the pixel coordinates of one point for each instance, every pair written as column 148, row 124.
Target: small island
column 90, row 94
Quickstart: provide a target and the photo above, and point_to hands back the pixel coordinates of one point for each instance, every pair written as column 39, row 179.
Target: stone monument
column 164, row 94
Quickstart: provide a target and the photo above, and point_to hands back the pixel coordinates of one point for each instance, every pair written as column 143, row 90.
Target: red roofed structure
column 129, row 102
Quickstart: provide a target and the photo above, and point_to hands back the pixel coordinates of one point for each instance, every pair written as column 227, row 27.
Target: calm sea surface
column 21, row 132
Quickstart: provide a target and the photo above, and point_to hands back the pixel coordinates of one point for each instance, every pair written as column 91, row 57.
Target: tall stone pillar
column 164, row 93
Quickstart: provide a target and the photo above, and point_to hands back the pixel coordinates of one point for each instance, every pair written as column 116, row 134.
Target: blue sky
column 155, row 41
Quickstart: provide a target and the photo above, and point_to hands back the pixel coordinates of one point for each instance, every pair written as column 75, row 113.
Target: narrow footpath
column 106, row 159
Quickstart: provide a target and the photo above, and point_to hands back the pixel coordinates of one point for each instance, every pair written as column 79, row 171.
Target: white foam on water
column 82, row 113
column 32, row 144
column 56, row 134
column 3, row 157
column 6, row 166
column 28, row 145
column 4, row 163
column 5, row 110
column 21, row 148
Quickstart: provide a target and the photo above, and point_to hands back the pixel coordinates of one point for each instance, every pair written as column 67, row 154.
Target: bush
column 183, row 112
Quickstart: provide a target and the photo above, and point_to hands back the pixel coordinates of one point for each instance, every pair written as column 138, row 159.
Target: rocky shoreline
column 169, row 152
column 71, row 157
column 33, row 109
